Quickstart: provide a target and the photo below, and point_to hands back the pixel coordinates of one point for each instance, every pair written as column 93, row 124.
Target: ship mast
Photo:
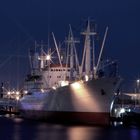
column 101, row 51
column 58, row 53
column 87, row 51
column 71, row 50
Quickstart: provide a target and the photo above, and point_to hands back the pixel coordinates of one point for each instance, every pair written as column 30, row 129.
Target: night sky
column 24, row 21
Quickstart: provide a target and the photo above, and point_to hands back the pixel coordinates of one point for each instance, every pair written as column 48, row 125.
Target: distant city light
column 25, row 91
column 17, row 98
column 17, row 92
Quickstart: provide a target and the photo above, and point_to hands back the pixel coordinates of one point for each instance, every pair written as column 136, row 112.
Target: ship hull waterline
column 102, row 118
column 89, row 104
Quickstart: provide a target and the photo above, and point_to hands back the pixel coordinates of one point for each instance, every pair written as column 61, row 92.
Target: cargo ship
column 65, row 87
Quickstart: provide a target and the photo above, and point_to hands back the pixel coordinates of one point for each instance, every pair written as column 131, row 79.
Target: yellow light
column 8, row 92
column 82, row 98
column 17, row 98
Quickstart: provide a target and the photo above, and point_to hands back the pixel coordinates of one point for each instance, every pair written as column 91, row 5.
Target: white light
column 122, row 110
column 17, row 92
column 54, row 87
column 61, row 57
column 76, row 85
column 138, row 80
column 25, row 91
column 8, row 92
column 39, row 58
column 64, row 83
column 42, row 90
column 48, row 57
column 86, row 77
column 17, row 98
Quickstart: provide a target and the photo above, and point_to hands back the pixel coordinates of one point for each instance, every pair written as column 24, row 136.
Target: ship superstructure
column 70, row 88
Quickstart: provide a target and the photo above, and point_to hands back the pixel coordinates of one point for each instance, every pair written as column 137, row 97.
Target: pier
column 8, row 106
column 9, row 100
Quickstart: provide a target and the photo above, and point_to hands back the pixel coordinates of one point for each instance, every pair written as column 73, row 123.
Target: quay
column 9, row 106
column 9, row 101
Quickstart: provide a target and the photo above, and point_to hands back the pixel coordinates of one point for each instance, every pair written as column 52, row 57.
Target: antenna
column 71, row 47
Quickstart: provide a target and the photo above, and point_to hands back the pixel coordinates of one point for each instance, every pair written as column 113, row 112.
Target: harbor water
column 15, row 128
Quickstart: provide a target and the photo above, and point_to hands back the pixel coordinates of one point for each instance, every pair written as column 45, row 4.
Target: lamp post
column 138, row 84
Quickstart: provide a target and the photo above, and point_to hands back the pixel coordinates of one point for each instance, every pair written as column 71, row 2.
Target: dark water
column 13, row 128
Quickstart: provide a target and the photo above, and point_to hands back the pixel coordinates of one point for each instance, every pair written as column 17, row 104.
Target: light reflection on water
column 83, row 133
column 19, row 129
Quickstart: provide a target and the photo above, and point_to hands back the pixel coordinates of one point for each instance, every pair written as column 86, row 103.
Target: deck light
column 48, row 57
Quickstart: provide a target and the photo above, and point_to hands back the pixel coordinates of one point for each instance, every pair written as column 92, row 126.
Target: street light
column 138, row 83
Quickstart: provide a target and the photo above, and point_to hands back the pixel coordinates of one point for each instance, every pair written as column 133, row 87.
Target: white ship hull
column 86, row 102
column 79, row 89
